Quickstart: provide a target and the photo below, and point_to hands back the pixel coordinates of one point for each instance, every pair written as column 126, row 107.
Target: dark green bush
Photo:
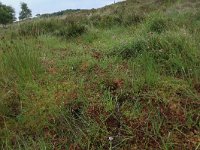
column 132, row 19
column 131, row 50
column 71, row 30
column 80, row 19
column 109, row 21
column 94, row 20
column 157, row 23
column 105, row 21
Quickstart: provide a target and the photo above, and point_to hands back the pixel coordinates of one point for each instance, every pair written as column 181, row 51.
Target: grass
column 128, row 81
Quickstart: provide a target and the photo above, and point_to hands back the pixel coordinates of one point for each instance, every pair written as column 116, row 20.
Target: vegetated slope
column 60, row 13
column 126, row 76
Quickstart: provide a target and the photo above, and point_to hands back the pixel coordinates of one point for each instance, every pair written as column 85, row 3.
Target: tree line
column 7, row 13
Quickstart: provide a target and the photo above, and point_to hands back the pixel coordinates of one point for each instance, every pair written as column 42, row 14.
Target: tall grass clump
column 60, row 28
column 173, row 51
column 39, row 27
column 132, row 49
column 157, row 22
column 21, row 62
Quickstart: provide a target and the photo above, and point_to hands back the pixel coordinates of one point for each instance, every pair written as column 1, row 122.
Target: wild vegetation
column 60, row 13
column 126, row 76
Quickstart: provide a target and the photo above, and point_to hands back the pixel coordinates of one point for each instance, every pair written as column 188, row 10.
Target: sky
column 49, row 6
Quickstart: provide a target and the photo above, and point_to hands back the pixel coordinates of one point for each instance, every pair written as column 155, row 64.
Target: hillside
column 122, row 77
column 60, row 13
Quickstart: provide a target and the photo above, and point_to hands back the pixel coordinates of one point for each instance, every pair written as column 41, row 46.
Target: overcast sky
column 48, row 6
